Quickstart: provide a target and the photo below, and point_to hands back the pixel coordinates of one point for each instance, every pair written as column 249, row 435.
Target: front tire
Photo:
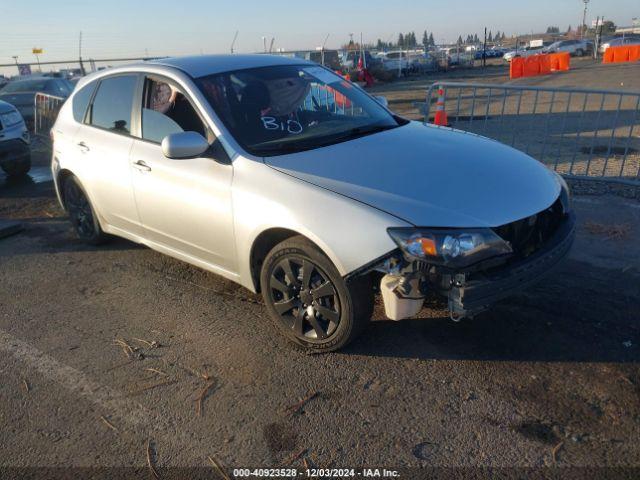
column 308, row 300
column 81, row 214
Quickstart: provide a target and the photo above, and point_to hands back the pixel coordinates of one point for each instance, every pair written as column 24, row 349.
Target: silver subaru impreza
column 282, row 176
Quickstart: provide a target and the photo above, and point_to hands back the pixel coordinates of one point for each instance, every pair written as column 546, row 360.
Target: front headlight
column 10, row 119
column 456, row 248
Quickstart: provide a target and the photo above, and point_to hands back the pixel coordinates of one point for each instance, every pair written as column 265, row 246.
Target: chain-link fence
column 582, row 133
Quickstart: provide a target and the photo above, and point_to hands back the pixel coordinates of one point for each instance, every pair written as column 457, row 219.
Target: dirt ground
column 118, row 356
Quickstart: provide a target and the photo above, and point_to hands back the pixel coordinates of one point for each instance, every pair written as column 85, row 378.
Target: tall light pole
column 584, row 19
column 233, row 43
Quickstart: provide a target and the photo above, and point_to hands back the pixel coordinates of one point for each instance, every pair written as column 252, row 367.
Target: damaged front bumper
column 471, row 293
column 468, row 292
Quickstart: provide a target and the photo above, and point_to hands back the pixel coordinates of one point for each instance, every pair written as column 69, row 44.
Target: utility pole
column 15, row 59
column 235, row 37
column 80, row 54
column 583, row 27
column 322, row 49
column 484, row 49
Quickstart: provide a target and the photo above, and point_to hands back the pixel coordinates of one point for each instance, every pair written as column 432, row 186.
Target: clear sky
column 178, row 27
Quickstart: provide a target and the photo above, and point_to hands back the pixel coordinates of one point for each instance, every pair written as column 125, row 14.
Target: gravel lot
column 550, row 377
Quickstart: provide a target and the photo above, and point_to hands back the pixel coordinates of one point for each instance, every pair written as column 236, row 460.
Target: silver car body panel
column 342, row 197
column 203, row 212
column 430, row 176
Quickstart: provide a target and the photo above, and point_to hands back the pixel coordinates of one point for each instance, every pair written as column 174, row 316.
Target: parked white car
column 522, row 52
column 15, row 151
column 577, row 48
column 618, row 41
column 231, row 164
column 394, row 61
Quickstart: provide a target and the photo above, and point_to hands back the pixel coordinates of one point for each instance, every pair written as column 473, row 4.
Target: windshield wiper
column 362, row 131
column 292, row 146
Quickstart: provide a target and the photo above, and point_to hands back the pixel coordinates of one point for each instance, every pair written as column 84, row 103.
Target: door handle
column 141, row 165
column 84, row 147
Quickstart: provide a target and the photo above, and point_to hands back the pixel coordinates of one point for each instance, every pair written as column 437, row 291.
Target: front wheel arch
column 265, row 242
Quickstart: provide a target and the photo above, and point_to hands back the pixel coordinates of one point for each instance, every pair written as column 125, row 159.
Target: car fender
column 350, row 233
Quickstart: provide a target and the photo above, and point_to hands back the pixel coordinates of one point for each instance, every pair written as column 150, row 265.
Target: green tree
column 401, row 41
column 425, row 40
column 490, row 37
column 608, row 27
column 460, row 40
column 432, row 42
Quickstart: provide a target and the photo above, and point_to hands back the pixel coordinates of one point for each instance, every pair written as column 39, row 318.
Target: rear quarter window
column 113, row 102
column 81, row 101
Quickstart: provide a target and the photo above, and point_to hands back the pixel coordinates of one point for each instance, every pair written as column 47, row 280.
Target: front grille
column 528, row 235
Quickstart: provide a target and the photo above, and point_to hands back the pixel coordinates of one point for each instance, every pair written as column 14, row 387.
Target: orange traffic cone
column 441, row 114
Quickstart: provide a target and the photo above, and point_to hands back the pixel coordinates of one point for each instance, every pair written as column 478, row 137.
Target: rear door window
column 112, row 104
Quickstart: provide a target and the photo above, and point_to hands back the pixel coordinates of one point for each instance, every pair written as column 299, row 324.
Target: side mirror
column 382, row 101
column 184, row 145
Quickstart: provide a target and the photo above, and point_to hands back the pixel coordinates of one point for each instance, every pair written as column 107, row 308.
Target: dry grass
column 152, row 386
column 218, row 467
column 555, row 450
column 203, row 395
column 293, row 409
column 108, row 423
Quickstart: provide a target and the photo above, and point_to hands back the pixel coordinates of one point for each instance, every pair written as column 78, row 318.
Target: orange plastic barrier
column 545, row 64
column 608, row 55
column 531, row 66
column 542, row 64
column 516, row 69
column 621, row 54
column 564, row 61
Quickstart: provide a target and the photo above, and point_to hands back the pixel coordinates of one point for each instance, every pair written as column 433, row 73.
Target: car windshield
column 284, row 109
column 25, row 86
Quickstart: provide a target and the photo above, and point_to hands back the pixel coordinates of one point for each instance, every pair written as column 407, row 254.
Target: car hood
column 6, row 107
column 430, row 176
column 23, row 101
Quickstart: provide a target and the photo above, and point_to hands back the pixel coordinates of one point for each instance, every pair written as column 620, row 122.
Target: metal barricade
column 46, row 108
column 576, row 132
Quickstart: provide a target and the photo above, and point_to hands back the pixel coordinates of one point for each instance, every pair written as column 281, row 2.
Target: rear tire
column 81, row 213
column 19, row 168
column 308, row 300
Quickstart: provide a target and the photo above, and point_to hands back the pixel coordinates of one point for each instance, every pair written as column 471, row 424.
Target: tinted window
column 166, row 110
column 81, row 101
column 111, row 107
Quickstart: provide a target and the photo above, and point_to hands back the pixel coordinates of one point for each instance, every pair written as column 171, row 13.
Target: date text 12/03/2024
column 316, row 473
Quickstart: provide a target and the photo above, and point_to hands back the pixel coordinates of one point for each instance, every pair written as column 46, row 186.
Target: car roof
column 201, row 65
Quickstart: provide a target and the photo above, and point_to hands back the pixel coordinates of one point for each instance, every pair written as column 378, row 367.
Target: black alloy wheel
column 305, row 298
column 81, row 214
column 308, row 300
